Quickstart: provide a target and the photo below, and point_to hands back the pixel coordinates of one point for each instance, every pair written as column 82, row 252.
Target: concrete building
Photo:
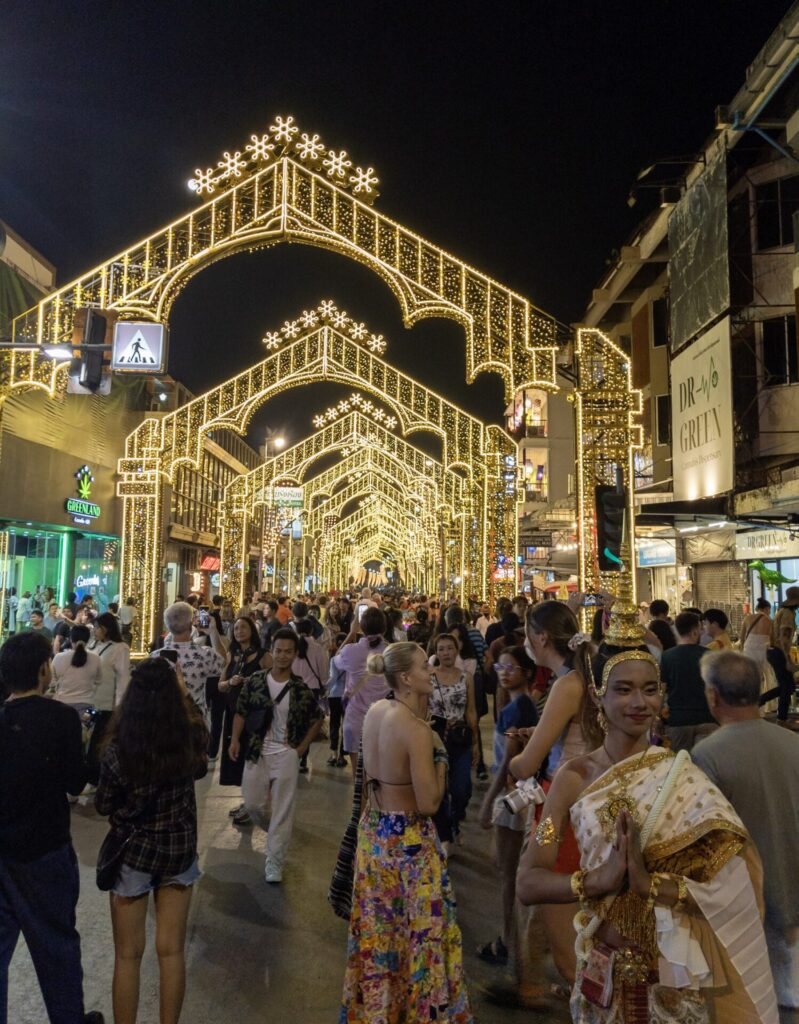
column 703, row 296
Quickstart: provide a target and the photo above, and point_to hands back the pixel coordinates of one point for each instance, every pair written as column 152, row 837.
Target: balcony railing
column 524, row 430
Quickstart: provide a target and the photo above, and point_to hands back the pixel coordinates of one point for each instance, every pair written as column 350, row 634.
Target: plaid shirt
column 303, row 710
column 166, row 843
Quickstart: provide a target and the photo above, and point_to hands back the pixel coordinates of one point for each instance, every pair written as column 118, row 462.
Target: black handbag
column 112, row 852
column 454, row 734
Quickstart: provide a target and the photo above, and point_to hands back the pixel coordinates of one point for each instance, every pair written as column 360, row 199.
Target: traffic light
column 91, row 362
column 611, row 507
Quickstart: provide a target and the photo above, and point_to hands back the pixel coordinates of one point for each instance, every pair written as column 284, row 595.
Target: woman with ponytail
column 78, row 672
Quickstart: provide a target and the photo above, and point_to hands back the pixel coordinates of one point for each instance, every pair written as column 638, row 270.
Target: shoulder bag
column 112, row 852
column 258, row 721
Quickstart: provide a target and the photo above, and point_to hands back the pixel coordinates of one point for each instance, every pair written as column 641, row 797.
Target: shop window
column 776, row 202
column 780, row 358
column 663, row 414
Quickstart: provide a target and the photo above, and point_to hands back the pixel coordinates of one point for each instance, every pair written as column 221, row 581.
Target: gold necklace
column 619, row 798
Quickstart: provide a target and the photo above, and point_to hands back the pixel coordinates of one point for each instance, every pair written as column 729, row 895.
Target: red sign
column 210, row 563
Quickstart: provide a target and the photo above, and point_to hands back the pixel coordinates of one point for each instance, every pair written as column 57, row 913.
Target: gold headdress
column 624, row 630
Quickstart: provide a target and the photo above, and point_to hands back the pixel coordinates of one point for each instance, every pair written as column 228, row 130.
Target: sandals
column 495, row 952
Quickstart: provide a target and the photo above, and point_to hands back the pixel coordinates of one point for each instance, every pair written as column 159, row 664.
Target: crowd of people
column 635, row 778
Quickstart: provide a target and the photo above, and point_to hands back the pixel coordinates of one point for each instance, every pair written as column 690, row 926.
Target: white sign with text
column 701, row 401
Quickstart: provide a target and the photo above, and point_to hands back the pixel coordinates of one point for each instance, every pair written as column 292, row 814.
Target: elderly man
column 197, row 661
column 756, row 766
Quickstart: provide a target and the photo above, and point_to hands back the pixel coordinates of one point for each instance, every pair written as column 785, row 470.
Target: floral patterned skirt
column 404, row 958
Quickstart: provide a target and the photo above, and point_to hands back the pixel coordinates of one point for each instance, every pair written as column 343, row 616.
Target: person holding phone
column 196, row 662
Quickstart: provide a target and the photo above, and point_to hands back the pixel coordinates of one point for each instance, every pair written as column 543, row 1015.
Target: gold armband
column 577, row 881
column 682, row 893
column 545, row 834
column 654, row 888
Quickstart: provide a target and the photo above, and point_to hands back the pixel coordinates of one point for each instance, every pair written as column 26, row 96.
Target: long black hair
column 158, row 731
column 110, row 624
column 255, row 637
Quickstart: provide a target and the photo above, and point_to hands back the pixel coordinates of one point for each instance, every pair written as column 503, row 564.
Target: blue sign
column 652, row 553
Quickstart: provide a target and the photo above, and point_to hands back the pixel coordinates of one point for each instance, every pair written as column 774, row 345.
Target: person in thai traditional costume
column 404, row 954
column 669, row 886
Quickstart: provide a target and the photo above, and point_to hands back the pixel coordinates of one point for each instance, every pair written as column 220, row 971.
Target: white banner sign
column 765, row 545
column 701, row 403
column 286, row 497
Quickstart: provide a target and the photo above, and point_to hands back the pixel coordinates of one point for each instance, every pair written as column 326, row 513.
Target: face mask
column 528, row 650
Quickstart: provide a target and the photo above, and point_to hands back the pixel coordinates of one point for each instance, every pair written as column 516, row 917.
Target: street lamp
column 279, row 442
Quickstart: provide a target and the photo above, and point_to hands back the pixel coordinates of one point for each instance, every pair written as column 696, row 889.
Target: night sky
column 508, row 133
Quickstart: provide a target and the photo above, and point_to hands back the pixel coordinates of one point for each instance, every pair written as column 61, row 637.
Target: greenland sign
column 701, row 401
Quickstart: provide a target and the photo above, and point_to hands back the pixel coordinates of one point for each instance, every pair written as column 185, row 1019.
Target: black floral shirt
column 303, row 711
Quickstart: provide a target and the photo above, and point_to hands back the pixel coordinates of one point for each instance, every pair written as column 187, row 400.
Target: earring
column 602, row 719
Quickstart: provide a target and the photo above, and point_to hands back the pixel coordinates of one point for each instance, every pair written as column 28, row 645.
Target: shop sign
column 89, row 581
column 538, row 539
column 656, row 552
column 139, row 347
column 286, row 497
column 81, row 509
column 765, row 544
column 703, row 445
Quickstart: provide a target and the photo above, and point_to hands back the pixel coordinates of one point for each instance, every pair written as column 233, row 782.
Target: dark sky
column 508, row 133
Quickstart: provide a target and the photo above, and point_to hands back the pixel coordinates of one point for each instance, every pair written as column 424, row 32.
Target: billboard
column 701, row 416
column 651, row 552
column 699, row 278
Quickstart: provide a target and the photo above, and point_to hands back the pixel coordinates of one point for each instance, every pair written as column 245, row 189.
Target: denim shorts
column 132, row 883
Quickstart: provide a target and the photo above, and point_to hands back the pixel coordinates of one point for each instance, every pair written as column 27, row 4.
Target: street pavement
column 258, row 952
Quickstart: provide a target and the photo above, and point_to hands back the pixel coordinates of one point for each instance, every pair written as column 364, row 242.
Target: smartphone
column 169, row 654
column 203, row 618
column 593, row 600
column 362, row 612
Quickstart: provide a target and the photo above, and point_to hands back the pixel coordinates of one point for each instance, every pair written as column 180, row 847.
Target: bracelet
column 655, row 883
column 577, row 882
column 682, row 893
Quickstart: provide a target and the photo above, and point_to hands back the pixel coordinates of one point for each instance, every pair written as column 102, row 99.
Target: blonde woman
column 404, row 955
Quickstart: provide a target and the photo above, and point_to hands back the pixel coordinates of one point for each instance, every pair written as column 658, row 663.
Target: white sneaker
column 272, row 874
column 89, row 789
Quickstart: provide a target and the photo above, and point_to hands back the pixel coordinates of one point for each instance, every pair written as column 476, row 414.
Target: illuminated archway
column 446, row 500
column 287, row 186
column 322, row 344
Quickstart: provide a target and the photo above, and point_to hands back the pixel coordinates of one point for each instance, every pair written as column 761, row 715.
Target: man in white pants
column 281, row 717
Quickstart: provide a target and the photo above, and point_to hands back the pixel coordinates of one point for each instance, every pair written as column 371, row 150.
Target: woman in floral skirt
column 404, row 957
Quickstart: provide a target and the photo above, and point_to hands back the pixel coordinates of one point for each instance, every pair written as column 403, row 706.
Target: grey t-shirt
column 755, row 764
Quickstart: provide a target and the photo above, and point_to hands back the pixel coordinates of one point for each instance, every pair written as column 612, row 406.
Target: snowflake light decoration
column 391, row 422
column 290, row 329
column 284, row 129
column 231, row 164
column 260, row 148
column 358, row 331
column 340, row 319
column 364, row 180
column 285, row 139
column 272, row 340
column 379, row 415
column 327, row 308
column 309, row 318
column 377, row 343
column 332, row 414
column 310, row 147
column 337, row 164
column 355, row 398
column 203, row 181
column 343, row 406
column 318, row 422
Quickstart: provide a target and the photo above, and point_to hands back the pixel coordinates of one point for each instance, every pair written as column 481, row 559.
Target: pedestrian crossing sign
column 139, row 347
